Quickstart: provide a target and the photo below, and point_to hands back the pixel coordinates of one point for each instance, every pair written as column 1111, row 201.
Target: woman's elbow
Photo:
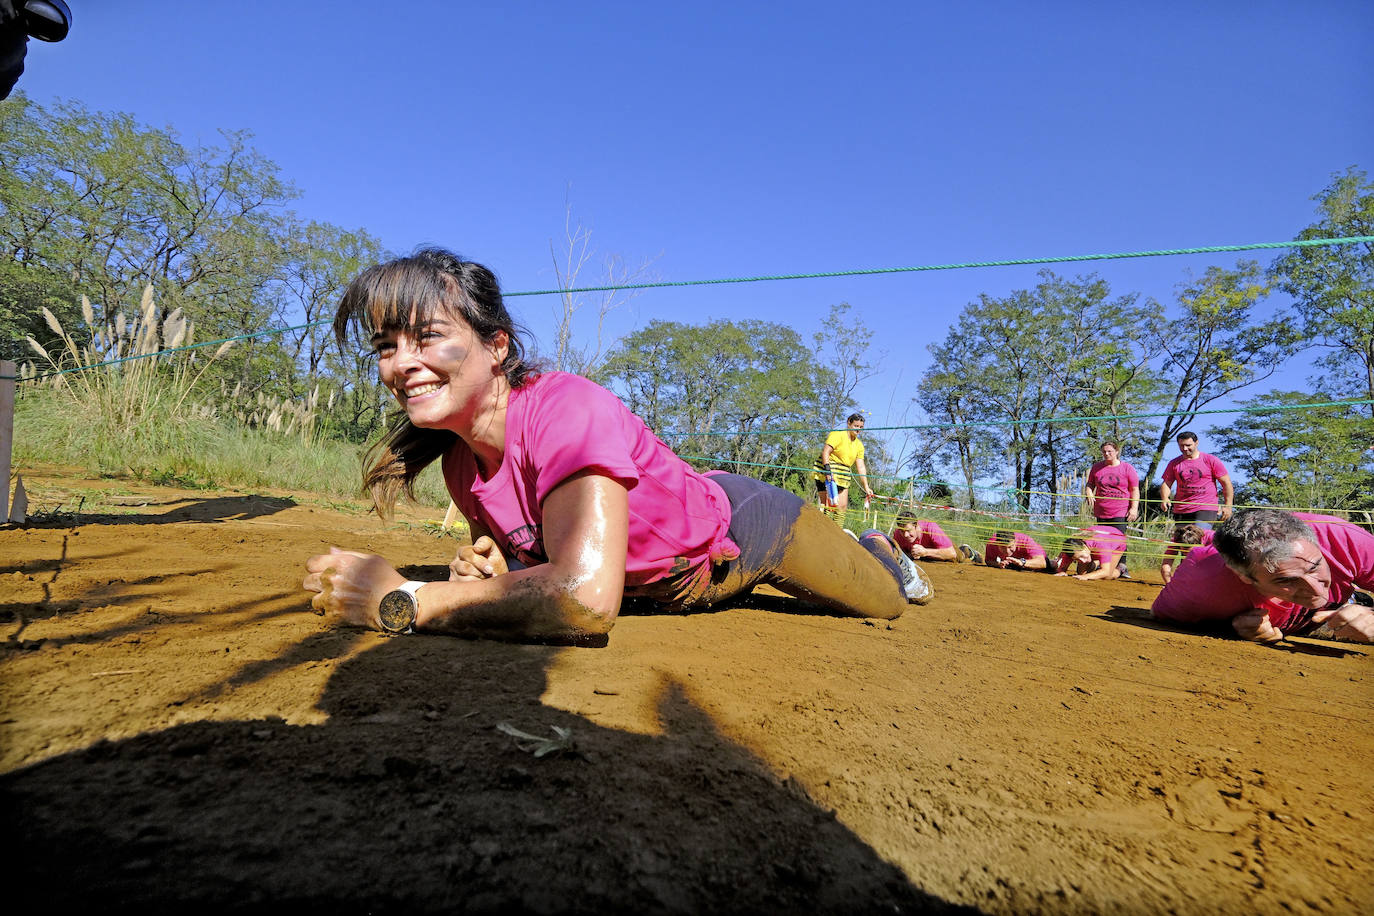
column 588, row 609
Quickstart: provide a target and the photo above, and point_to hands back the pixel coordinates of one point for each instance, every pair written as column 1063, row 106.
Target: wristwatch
column 399, row 607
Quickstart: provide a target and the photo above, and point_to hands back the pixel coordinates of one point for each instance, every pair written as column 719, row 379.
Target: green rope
column 128, row 359
column 1211, row 249
column 1009, row 262
column 1070, row 419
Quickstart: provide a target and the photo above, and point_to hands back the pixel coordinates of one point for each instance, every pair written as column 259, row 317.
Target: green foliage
column 689, row 380
column 121, row 380
column 1333, row 286
column 1218, row 345
column 1302, row 459
column 94, row 203
column 1065, row 347
column 213, row 453
column 25, row 290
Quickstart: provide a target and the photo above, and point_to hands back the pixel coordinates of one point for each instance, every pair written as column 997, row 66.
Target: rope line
column 1069, row 419
column 1061, row 259
column 1008, row 262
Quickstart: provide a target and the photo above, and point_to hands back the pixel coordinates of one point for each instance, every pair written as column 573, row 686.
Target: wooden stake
column 8, row 374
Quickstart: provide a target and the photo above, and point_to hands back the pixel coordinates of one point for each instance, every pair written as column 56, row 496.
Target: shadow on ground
column 410, row 800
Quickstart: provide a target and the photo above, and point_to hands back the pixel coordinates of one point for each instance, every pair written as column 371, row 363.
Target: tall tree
column 710, row 390
column 1216, row 345
column 1009, row 365
column 1312, row 459
column 115, row 205
column 1333, row 286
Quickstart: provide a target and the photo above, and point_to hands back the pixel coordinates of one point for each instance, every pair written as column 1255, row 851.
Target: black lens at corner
column 47, row 20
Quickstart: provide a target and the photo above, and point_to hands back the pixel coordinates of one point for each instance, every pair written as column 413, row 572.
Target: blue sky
column 750, row 138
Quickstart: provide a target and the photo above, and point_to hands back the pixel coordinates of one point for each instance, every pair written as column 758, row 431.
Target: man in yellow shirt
column 842, row 454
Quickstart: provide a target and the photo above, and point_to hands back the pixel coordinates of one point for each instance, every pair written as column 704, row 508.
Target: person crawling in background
column 1014, row 550
column 922, row 539
column 1095, row 554
column 1184, row 538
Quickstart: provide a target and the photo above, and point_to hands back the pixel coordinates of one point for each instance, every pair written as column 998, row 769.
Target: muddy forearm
column 541, row 602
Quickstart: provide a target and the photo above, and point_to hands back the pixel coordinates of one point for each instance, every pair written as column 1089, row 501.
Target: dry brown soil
column 180, row 731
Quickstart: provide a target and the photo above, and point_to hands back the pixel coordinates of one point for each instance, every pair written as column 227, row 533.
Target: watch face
column 397, row 611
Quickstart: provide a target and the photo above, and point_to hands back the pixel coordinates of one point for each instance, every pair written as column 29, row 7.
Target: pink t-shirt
column 559, row 424
column 1104, row 542
column 1204, row 588
column 1111, row 486
column 1023, row 547
column 928, row 535
column 1197, row 482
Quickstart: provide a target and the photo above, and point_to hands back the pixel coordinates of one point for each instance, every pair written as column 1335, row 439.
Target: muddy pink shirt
column 1104, row 542
column 560, row 424
column 1204, row 588
column 1023, row 547
column 928, row 535
column 1111, row 486
column 1197, row 482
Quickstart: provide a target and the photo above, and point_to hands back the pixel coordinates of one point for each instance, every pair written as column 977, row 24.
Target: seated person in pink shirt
column 1309, row 566
column 1095, row 553
column 572, row 501
column 922, row 539
column 1014, row 550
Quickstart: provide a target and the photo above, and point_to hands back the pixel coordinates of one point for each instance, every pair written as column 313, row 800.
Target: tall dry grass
column 130, row 377
column 157, row 418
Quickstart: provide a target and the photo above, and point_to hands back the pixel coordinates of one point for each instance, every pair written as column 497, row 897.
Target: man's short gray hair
column 1263, row 536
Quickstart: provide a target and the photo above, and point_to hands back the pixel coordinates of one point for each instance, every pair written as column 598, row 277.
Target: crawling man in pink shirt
column 1273, row 573
column 922, row 539
column 1309, row 566
column 1014, row 550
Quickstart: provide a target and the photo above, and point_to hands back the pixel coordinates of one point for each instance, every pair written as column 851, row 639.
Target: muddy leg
column 796, row 549
column 823, row 565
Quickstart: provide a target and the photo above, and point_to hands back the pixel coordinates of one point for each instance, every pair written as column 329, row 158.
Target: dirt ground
column 179, row 730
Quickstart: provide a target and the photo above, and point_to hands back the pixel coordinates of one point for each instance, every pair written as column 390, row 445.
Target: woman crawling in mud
column 573, row 503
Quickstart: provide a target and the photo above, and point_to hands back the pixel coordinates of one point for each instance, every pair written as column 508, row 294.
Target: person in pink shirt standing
column 1014, row 550
column 572, row 501
column 1197, row 475
column 923, row 539
column 1113, row 493
column 1094, row 554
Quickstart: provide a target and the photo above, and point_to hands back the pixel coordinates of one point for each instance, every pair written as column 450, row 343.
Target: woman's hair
column 402, row 295
column 1187, row 534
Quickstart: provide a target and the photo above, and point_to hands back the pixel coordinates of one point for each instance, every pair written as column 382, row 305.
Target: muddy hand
column 481, row 560
column 1349, row 621
column 349, row 585
column 1255, row 625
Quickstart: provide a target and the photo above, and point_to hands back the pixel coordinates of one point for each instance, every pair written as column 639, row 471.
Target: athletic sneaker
column 914, row 582
column 967, row 553
column 1125, row 573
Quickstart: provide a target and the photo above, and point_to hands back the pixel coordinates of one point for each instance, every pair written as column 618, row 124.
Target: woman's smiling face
column 438, row 369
